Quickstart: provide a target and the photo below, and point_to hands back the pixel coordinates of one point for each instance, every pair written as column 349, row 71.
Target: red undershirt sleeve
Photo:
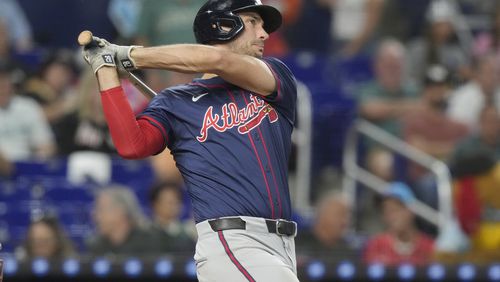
column 133, row 138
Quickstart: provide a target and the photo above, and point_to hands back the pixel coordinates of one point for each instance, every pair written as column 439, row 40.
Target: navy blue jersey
column 231, row 145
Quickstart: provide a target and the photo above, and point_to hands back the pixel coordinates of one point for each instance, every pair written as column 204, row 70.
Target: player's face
column 251, row 41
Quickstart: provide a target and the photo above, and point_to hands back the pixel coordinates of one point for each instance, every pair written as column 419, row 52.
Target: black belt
column 278, row 226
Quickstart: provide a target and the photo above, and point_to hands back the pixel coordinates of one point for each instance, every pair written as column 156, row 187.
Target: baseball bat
column 85, row 38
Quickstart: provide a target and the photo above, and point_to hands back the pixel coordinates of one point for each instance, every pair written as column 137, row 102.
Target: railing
column 302, row 137
column 354, row 172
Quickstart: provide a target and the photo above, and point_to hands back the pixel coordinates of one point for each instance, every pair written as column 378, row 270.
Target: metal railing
column 302, row 138
column 353, row 172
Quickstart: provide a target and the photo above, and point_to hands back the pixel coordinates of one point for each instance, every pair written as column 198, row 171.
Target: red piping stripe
column 233, row 258
column 260, row 164
column 272, row 169
column 272, row 172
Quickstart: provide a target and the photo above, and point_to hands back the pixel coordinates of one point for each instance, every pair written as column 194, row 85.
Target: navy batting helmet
column 216, row 14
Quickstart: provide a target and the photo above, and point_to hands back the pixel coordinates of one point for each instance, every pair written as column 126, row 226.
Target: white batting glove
column 121, row 53
column 98, row 57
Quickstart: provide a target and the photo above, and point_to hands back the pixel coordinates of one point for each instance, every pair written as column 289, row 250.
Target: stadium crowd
column 434, row 84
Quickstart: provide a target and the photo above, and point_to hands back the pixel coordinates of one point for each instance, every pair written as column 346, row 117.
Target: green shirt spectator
column 167, row 22
column 373, row 92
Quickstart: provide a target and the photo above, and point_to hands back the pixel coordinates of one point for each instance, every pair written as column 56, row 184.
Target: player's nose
column 262, row 34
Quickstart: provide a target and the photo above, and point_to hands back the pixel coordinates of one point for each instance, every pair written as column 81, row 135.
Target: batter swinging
column 229, row 132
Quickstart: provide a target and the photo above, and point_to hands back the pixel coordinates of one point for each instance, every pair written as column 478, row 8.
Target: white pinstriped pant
column 251, row 255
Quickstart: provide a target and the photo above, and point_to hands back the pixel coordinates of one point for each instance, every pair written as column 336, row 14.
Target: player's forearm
column 187, row 58
column 107, row 78
column 244, row 71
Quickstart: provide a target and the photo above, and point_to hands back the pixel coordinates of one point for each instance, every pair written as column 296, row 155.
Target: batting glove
column 121, row 54
column 98, row 57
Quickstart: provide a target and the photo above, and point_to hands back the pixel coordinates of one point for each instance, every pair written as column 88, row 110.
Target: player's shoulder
column 277, row 65
column 182, row 91
column 274, row 61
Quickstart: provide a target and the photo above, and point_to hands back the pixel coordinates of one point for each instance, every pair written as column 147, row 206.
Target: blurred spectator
column 6, row 167
column 122, row 228
column 85, row 128
column 166, row 203
column 402, row 19
column 467, row 101
column 477, row 204
column 7, row 56
column 315, row 15
column 488, row 42
column 354, row 23
column 439, row 46
column 51, row 88
column 124, row 14
column 430, row 129
column 401, row 242
column 18, row 27
column 45, row 238
column 329, row 235
column 276, row 44
column 165, row 168
column 487, row 139
column 167, row 22
column 24, row 132
column 386, row 99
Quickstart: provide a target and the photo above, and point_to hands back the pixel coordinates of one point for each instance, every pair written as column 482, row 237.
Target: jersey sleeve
column 158, row 113
column 285, row 96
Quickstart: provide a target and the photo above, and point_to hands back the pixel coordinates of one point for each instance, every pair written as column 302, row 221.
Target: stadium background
column 43, row 186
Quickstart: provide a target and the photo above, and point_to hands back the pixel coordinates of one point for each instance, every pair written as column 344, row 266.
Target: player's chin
column 258, row 52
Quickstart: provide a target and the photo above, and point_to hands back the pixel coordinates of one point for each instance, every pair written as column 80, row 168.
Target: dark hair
column 160, row 186
column 64, row 247
column 494, row 31
column 61, row 57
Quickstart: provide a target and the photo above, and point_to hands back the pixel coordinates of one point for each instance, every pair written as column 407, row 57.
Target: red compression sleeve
column 133, row 138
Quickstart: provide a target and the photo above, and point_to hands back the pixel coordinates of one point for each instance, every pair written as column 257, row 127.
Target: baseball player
column 229, row 132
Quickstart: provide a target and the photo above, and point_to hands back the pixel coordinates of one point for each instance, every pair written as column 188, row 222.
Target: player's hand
column 120, row 53
column 98, row 57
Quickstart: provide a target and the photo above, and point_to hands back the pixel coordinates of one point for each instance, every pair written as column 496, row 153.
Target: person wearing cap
column 440, row 44
column 431, row 131
column 401, row 242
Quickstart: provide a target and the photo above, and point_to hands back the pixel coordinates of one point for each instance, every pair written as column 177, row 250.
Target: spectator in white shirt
column 466, row 102
column 24, row 131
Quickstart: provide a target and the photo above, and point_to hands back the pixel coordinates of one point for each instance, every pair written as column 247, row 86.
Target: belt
column 277, row 226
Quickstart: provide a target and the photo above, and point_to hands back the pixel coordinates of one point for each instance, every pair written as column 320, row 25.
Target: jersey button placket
column 256, row 137
column 268, row 168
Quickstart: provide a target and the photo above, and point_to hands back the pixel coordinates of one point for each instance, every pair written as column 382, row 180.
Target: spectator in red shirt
column 402, row 242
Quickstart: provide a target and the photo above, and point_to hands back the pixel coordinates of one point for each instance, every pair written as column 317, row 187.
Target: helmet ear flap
column 214, row 27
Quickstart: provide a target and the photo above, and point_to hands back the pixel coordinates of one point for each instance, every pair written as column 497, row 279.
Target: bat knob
column 85, row 38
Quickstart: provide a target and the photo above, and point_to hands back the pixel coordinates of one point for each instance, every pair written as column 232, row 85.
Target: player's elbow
column 130, row 153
